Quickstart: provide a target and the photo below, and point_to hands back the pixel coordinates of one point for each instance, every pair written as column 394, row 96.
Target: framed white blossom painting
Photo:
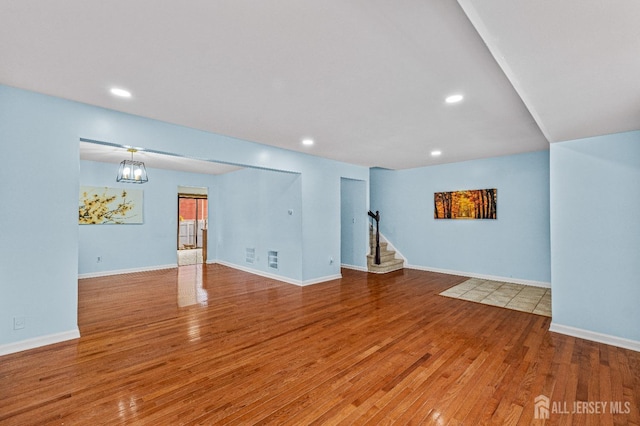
column 102, row 205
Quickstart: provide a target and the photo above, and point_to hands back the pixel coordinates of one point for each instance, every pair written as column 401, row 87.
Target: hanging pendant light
column 132, row 171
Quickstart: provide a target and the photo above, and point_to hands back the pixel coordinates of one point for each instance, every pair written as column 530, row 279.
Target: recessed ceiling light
column 121, row 93
column 435, row 153
column 307, row 141
column 453, row 99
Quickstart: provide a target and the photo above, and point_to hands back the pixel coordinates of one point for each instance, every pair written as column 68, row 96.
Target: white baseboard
column 321, row 279
column 126, row 271
column 481, row 276
column 595, row 336
column 36, row 342
column 278, row 277
column 464, row 274
column 355, row 268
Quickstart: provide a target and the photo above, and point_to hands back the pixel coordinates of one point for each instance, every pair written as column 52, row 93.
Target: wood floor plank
column 213, row 345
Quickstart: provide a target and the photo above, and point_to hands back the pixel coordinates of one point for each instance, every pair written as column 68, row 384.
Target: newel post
column 376, row 216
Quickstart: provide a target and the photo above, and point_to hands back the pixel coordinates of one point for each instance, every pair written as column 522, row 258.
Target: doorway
column 193, row 211
column 353, row 224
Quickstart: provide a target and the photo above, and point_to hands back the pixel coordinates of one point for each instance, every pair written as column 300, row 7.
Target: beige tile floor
column 536, row 300
column 189, row 257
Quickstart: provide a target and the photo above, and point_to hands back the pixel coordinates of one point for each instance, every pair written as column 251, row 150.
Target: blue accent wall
column 38, row 216
column 595, row 234
column 40, row 135
column 516, row 245
column 354, row 223
column 137, row 246
column 249, row 208
column 582, row 234
column 261, row 210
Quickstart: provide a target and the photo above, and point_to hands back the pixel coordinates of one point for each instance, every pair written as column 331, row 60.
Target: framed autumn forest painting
column 469, row 204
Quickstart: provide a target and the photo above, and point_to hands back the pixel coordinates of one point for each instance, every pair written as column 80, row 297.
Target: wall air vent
column 251, row 255
column 273, row 259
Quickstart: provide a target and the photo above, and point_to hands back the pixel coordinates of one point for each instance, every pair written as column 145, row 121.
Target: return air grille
column 251, row 255
column 273, row 259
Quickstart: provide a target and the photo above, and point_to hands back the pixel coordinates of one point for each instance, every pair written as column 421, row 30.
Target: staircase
column 388, row 261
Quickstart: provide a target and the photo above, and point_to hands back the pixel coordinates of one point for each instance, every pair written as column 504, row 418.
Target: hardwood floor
column 212, row 345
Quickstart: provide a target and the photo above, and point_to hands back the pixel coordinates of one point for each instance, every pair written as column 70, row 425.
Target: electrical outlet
column 18, row 323
column 99, row 259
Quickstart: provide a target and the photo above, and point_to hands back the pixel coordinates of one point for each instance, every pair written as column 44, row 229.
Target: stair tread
column 373, row 244
column 387, row 267
column 383, row 253
column 388, row 261
column 383, row 258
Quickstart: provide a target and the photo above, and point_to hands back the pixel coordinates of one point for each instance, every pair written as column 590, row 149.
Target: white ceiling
column 365, row 79
column 575, row 63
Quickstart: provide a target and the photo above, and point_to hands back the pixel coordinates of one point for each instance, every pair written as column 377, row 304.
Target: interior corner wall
column 354, row 223
column 261, row 210
column 149, row 245
column 321, row 217
column 595, row 234
column 516, row 246
column 39, row 233
column 40, row 134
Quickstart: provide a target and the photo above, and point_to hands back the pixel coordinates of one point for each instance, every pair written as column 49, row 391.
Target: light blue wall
column 516, row 245
column 594, row 203
column 595, row 234
column 354, row 223
column 248, row 208
column 40, row 135
column 155, row 239
column 38, row 219
column 261, row 209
